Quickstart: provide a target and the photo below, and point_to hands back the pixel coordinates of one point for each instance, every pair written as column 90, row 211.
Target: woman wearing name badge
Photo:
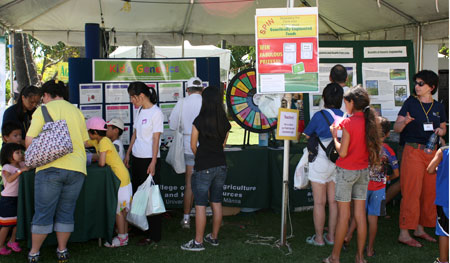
column 419, row 117
column 322, row 170
column 21, row 112
column 143, row 153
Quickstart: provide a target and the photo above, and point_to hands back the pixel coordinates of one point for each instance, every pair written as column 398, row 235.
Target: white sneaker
column 209, row 211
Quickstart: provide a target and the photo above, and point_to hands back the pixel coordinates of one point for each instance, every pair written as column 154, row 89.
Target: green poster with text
column 127, row 70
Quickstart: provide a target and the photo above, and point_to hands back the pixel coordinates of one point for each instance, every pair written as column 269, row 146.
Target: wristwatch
column 19, row 171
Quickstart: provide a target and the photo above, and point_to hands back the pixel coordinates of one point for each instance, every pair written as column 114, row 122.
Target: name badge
column 339, row 133
column 428, row 126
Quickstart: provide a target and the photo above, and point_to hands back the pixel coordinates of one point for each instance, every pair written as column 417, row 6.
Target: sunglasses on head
column 420, row 83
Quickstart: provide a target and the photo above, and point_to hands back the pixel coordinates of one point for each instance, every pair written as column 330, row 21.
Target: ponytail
column 137, row 87
column 361, row 102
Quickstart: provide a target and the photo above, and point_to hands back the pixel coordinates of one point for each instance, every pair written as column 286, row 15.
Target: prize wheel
column 242, row 103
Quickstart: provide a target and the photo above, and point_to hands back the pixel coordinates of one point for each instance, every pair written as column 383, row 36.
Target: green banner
column 126, row 70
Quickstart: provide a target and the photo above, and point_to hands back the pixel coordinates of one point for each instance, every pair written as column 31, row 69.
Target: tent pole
column 11, row 58
column 182, row 46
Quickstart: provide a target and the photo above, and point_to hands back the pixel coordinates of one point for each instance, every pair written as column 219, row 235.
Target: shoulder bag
column 330, row 150
column 175, row 156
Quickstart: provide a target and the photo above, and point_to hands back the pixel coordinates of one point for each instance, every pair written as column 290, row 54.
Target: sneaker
column 186, row 224
column 34, row 258
column 14, row 246
column 63, row 256
column 192, row 246
column 117, row 242
column 212, row 241
column 208, row 211
column 4, row 251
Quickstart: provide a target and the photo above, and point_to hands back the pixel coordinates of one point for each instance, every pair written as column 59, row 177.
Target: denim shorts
column 189, row 159
column 55, row 195
column 208, row 181
column 376, row 202
column 351, row 184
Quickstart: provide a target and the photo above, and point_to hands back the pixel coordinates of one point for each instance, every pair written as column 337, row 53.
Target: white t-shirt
column 148, row 121
column 119, row 147
column 190, row 111
column 345, row 88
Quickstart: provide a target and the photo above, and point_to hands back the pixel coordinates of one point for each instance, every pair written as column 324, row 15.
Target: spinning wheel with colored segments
column 242, row 102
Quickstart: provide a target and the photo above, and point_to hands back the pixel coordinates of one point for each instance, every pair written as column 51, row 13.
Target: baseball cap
column 194, row 82
column 96, row 123
column 116, row 122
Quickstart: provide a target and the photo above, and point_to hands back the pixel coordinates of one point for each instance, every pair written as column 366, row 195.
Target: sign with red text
column 287, row 59
column 127, row 70
column 287, row 126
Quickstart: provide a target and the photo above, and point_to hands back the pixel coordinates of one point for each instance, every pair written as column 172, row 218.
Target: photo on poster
column 170, row 91
column 397, row 74
column 349, row 82
column 372, row 87
column 125, row 138
column 400, row 94
column 377, row 108
column 316, row 100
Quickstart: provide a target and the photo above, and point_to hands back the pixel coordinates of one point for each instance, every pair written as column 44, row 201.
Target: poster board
column 368, row 56
column 286, row 49
column 113, row 99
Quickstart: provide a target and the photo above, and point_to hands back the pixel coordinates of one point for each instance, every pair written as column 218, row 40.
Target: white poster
column 90, row 111
column 118, row 111
column 2, row 76
column 387, row 85
column 335, row 52
column 125, row 138
column 385, row 52
column 315, row 98
column 170, row 91
column 117, row 93
column 166, row 109
column 91, row 93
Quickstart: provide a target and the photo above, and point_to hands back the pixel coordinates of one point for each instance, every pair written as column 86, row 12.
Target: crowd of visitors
column 353, row 186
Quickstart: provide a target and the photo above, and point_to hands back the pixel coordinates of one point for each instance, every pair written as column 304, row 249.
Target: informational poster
column 125, row 138
column 167, row 135
column 336, row 52
column 117, row 93
column 166, row 109
column 287, row 58
column 91, row 93
column 126, row 70
column 287, row 126
column 315, row 98
column 385, row 52
column 387, row 85
column 90, row 111
column 170, row 91
column 120, row 111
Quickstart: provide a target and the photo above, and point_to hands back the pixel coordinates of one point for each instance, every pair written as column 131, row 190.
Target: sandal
column 14, row 246
column 312, row 241
column 328, row 242
column 426, row 237
column 117, row 242
column 412, row 243
column 328, row 260
column 367, row 252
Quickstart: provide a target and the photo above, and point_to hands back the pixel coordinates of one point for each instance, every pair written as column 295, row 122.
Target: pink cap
column 96, row 123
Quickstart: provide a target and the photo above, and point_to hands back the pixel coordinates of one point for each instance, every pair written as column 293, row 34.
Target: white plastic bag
column 155, row 204
column 301, row 172
column 175, row 156
column 138, row 220
column 140, row 198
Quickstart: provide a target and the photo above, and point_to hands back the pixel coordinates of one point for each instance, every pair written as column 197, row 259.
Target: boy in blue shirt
column 440, row 161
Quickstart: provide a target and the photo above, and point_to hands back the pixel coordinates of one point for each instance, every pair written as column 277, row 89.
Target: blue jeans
column 209, row 180
column 55, row 195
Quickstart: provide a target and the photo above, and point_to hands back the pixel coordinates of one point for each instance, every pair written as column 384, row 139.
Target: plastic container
column 429, row 148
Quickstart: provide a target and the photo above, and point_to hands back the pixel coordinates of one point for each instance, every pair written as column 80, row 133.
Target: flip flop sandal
column 312, row 241
column 327, row 260
column 426, row 237
column 328, row 242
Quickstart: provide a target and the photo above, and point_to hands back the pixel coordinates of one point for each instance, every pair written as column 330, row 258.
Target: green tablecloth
column 94, row 213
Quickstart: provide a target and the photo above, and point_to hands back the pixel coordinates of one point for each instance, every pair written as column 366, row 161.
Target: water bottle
column 430, row 144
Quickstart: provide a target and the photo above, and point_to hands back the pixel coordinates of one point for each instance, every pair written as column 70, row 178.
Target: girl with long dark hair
column 359, row 146
column 210, row 131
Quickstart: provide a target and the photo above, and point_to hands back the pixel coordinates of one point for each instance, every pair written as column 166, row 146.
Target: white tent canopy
column 175, row 52
column 168, row 22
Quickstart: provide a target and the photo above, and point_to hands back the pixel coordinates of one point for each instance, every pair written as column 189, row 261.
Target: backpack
column 330, row 150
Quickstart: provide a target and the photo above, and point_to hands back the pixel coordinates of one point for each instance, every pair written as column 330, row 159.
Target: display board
column 385, row 68
column 99, row 87
column 286, row 50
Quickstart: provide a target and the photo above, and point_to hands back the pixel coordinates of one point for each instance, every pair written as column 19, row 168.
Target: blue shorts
column 189, row 159
column 55, row 196
column 442, row 221
column 376, row 202
column 209, row 181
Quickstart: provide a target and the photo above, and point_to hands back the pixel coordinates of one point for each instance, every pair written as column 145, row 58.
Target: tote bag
column 175, row 156
column 52, row 143
column 155, row 204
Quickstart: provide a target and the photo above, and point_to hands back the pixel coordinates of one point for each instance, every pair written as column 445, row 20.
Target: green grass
column 233, row 247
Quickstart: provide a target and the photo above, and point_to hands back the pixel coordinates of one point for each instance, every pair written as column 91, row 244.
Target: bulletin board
column 99, row 86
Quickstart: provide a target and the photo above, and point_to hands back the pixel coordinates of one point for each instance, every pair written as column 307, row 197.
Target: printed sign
column 91, row 93
column 287, row 126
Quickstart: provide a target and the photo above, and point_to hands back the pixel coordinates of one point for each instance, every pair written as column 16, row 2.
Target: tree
column 237, row 52
column 51, row 55
column 24, row 64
